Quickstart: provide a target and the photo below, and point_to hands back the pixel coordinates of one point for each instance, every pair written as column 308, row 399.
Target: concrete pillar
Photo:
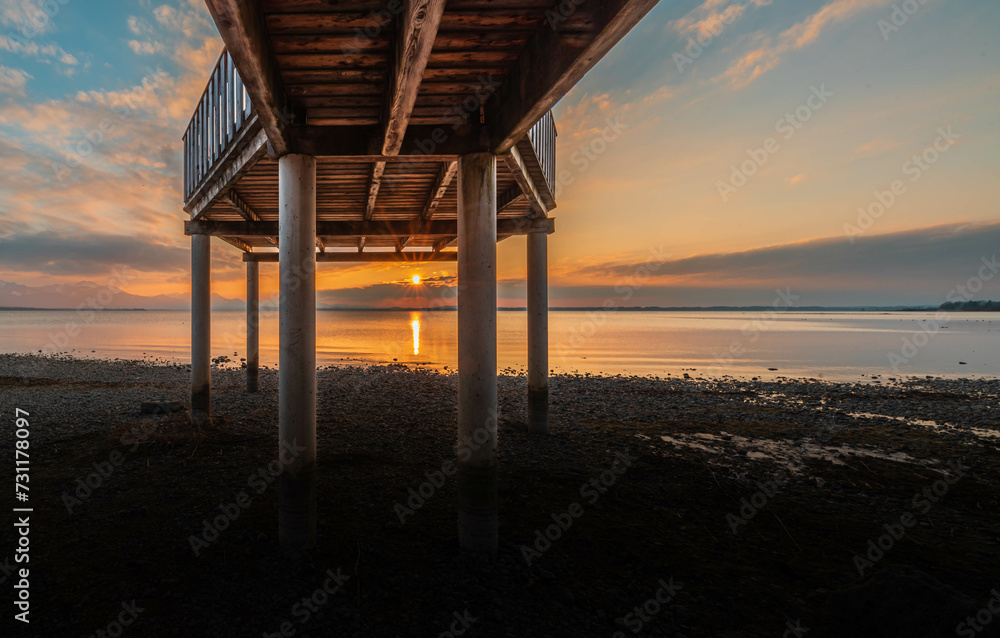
column 538, row 334
column 201, row 329
column 297, row 351
column 253, row 325
column 477, row 352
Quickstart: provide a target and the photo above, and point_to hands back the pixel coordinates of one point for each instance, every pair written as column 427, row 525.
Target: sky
column 844, row 152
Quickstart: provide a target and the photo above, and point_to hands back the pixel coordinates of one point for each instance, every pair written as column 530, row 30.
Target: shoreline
column 225, row 362
column 840, row 461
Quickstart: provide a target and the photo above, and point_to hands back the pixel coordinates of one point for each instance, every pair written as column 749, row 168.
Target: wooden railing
column 224, row 109
column 543, row 139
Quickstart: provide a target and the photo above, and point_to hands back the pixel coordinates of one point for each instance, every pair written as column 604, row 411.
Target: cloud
column 14, row 43
column 28, row 16
column 145, row 48
column 710, row 18
column 88, row 254
column 795, row 180
column 876, row 146
column 433, row 292
column 930, row 260
column 768, row 54
column 13, row 81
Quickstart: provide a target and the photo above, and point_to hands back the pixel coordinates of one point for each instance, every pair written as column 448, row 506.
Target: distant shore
column 837, row 462
column 989, row 308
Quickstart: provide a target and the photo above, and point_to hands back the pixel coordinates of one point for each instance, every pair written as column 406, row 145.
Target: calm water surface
column 829, row 345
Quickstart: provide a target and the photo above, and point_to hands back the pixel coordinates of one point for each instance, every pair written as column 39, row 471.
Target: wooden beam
column 236, row 203
column 245, row 211
column 374, row 183
column 554, row 60
column 509, row 197
column 416, row 29
column 361, row 244
column 241, row 25
column 523, row 178
column 412, row 256
column 238, row 243
column 357, row 228
column 422, row 142
column 402, row 242
column 444, row 241
column 444, row 179
column 320, row 245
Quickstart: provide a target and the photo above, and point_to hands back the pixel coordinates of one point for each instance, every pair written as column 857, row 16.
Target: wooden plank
column 443, row 242
column 374, row 183
column 441, row 184
column 357, row 228
column 552, row 63
column 432, row 143
column 415, row 33
column 417, row 29
column 340, row 257
column 509, row 197
column 238, row 243
column 241, row 25
column 329, row 43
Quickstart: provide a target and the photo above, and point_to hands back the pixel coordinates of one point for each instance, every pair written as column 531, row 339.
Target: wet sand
column 745, row 506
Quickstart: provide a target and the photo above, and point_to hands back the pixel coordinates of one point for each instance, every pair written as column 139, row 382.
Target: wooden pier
column 385, row 130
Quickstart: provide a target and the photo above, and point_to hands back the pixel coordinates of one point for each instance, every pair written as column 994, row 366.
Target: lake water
column 830, row 345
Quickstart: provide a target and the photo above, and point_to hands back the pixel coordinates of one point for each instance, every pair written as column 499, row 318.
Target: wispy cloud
column 923, row 260
column 711, row 16
column 768, row 52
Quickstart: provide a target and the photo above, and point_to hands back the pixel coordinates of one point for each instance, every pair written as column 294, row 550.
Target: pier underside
column 386, row 130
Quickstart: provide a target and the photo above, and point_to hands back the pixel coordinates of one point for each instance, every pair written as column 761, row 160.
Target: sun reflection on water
column 415, row 325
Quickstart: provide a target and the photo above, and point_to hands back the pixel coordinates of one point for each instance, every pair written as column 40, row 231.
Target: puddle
column 790, row 454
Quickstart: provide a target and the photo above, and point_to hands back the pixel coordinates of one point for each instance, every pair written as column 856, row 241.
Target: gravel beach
column 706, row 507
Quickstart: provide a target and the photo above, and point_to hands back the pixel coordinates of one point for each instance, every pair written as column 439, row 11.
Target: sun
column 416, row 280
